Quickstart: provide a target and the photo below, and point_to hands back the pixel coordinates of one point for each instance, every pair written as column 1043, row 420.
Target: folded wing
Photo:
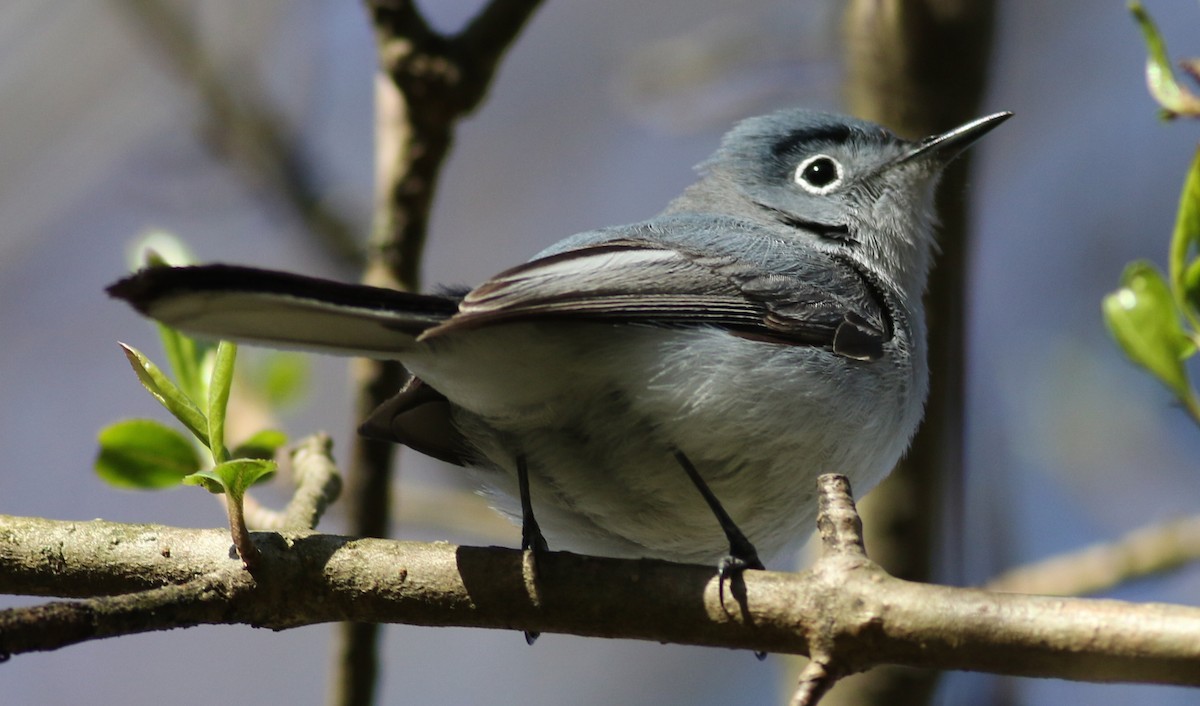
column 629, row 281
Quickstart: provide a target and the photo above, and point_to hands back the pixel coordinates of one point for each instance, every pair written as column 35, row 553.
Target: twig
column 841, row 533
column 838, row 524
column 251, row 559
column 318, row 484
column 435, row 81
column 1143, row 552
column 244, row 128
column 815, row 680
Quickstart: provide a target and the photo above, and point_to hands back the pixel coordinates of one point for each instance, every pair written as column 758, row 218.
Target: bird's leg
column 742, row 554
column 532, row 540
column 531, row 533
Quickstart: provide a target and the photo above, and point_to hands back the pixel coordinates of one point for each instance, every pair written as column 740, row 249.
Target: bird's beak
column 950, row 144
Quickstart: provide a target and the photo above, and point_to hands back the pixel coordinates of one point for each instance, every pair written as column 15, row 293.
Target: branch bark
column 846, row 612
column 428, row 82
column 318, row 485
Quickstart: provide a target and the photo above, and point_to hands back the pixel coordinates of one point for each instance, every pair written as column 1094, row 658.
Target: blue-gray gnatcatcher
column 670, row 388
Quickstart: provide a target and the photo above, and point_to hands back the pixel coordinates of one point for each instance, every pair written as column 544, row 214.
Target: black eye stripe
column 809, row 137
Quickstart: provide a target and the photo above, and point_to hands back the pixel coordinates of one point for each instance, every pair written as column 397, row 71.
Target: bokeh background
column 596, row 118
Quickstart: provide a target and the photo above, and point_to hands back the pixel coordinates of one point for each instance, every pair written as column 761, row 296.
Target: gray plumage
column 768, row 325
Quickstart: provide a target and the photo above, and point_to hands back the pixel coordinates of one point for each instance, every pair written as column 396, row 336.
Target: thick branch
column 312, row 578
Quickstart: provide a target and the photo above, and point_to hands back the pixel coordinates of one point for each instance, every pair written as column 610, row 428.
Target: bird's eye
column 819, row 174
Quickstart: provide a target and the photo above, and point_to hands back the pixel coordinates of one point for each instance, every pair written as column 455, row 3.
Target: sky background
column 596, row 118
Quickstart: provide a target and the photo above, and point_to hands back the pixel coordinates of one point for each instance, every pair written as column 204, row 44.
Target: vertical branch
column 920, row 67
column 239, row 123
column 428, row 82
column 402, row 204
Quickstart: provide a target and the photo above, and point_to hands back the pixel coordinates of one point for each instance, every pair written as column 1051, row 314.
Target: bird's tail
column 283, row 310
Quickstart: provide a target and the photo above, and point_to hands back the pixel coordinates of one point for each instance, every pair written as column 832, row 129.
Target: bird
column 665, row 389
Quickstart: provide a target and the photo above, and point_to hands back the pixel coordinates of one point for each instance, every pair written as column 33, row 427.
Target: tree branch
column 845, row 611
column 243, row 127
column 318, row 484
column 919, row 67
column 1143, row 552
column 434, row 81
column 429, row 82
column 204, row 600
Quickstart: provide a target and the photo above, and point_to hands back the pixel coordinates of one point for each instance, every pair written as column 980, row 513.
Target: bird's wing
column 827, row 302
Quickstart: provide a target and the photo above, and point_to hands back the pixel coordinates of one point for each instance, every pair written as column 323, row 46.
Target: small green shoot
column 1185, row 246
column 145, row 454
column 232, row 477
column 1156, row 320
column 1175, row 99
column 1143, row 318
column 218, row 398
column 168, row 394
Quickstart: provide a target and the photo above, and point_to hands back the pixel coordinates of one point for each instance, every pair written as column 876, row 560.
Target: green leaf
column 262, row 445
column 1186, row 238
column 283, row 377
column 206, row 479
column 1142, row 317
column 141, row 453
column 1191, row 285
column 232, row 477
column 185, row 356
column 1160, row 76
column 152, row 258
column 165, row 391
column 158, row 247
column 218, row 398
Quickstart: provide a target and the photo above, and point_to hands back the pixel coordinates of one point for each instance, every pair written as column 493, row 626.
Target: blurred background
column 596, row 117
